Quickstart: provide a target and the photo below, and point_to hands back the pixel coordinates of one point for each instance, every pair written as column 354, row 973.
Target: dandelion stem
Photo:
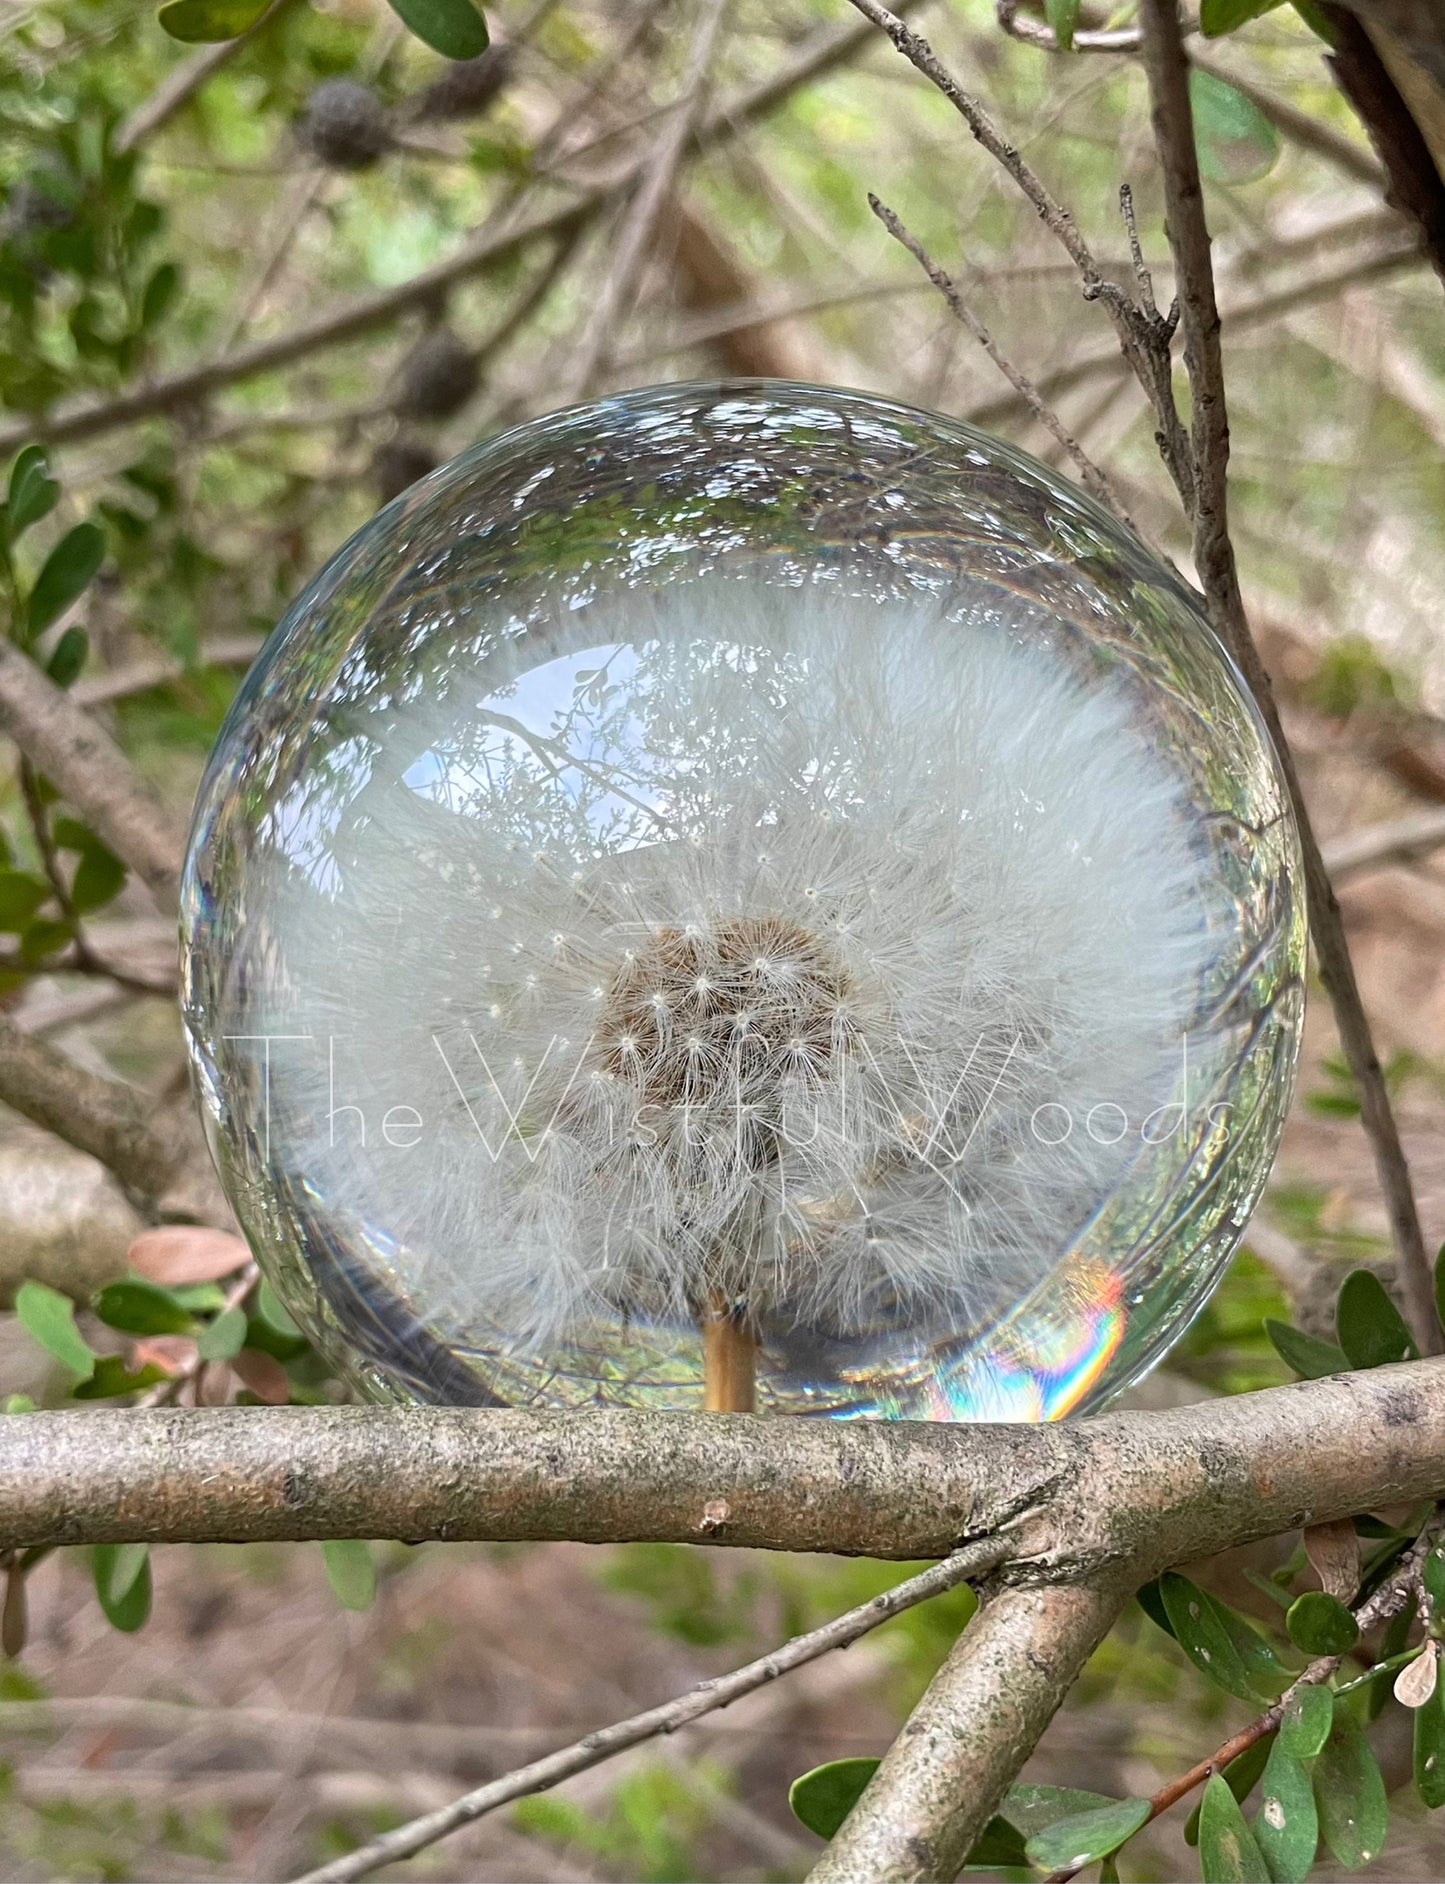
column 729, row 1352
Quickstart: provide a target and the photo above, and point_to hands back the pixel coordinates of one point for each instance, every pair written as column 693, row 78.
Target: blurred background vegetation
column 249, row 294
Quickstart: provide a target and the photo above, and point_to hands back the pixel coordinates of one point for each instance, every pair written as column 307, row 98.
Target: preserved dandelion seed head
column 746, row 850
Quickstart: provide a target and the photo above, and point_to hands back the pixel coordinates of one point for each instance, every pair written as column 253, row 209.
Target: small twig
column 1144, row 339
column 1094, row 480
column 153, row 670
column 1207, row 502
column 971, row 1561
column 85, row 765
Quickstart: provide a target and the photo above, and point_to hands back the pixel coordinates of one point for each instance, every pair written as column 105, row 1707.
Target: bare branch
column 972, row 1561
column 1167, row 66
column 1093, row 478
column 153, row 670
column 961, row 1748
column 1088, row 39
column 86, row 766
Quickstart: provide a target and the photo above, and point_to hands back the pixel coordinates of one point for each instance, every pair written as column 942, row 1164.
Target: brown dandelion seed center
column 693, row 1013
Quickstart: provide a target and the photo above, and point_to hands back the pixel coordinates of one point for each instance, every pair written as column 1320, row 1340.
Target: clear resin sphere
column 750, row 851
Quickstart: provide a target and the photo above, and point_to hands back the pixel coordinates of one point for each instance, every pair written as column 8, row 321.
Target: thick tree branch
column 1167, row 66
column 89, row 770
column 962, row 1747
column 100, row 1116
column 965, row 1565
column 1154, row 1488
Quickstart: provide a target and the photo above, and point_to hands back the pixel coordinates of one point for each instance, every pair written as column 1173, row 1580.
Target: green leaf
column 1220, row 1642
column 64, row 574
column 1063, row 16
column 98, row 877
column 18, row 1403
column 1305, row 1725
column 1311, row 1358
column 1237, row 143
column 113, row 1377
column 203, row 22
column 160, row 291
column 350, row 1571
column 1440, row 1284
column 140, row 1308
column 1432, row 1575
column 32, row 493
column 1151, row 1602
column 48, row 1317
column 1086, row 1836
column 1320, row 1624
column 1371, row 1329
column 1228, row 1853
column 223, row 1337
column 1350, row 1794
column 122, row 1575
column 454, row 28
column 1241, row 1776
column 1287, row 1826
column 42, row 938
column 1035, row 1808
column 1430, row 1749
column 68, row 659
column 1217, row 17
column 823, row 1797
column 20, row 896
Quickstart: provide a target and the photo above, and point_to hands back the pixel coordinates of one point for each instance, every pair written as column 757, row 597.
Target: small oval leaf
column 223, row 1339
column 140, row 1308
column 48, row 1317
column 179, row 1253
column 1087, row 1836
column 1417, row 1680
column 1430, row 1749
column 1220, row 1642
column 1305, row 1725
column 823, row 1797
column 64, row 574
column 122, row 1575
column 454, row 28
column 204, row 22
column 1320, row 1624
column 1371, row 1329
column 1286, row 1827
column 1307, row 1355
column 1228, row 1853
column 350, row 1571
column 1350, row 1794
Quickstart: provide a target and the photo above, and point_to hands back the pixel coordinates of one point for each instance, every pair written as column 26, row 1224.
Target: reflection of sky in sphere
column 680, row 664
